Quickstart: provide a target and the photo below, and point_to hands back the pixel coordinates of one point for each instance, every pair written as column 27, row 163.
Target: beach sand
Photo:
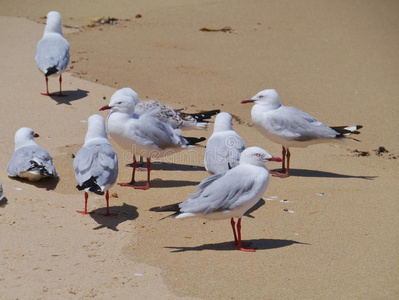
column 335, row 60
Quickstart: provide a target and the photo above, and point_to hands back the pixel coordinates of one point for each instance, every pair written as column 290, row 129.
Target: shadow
column 119, row 214
column 49, row 183
column 3, row 202
column 69, row 96
column 259, row 244
column 158, row 183
column 322, row 174
column 164, row 166
column 258, row 205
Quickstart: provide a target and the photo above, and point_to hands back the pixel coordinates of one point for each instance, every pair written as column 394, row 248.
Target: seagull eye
column 119, row 103
column 258, row 154
column 261, row 96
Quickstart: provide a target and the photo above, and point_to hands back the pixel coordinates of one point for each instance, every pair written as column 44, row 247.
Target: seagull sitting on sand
column 230, row 194
column 175, row 117
column 144, row 135
column 52, row 51
column 96, row 163
column 224, row 147
column 290, row 127
column 29, row 160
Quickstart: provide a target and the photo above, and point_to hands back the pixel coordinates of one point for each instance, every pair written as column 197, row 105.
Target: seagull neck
column 20, row 144
column 53, row 27
column 222, row 127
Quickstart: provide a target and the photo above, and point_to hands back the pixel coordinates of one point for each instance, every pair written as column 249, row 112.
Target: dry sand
column 337, row 60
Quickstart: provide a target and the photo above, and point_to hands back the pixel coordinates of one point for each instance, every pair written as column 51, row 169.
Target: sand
column 336, row 60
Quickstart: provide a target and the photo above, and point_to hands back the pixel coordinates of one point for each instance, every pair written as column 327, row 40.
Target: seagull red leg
column 240, row 245
column 132, row 182
column 233, row 225
column 85, row 212
column 285, row 172
column 61, row 94
column 107, row 199
column 46, row 94
column 147, row 186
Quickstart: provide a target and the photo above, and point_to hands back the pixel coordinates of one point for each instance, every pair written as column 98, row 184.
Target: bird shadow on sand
column 49, row 183
column 69, row 96
column 258, row 244
column 3, row 202
column 164, row 166
column 323, row 174
column 119, row 214
column 159, row 183
column 258, row 205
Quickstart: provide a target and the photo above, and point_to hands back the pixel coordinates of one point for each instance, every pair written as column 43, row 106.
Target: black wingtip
column 205, row 115
column 194, row 140
column 92, row 185
column 344, row 132
column 51, row 71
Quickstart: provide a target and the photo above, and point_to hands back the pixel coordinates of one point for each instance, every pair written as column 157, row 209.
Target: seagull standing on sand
column 96, row 163
column 230, row 194
column 144, row 135
column 224, row 147
column 290, row 127
column 52, row 51
column 29, row 160
column 176, row 118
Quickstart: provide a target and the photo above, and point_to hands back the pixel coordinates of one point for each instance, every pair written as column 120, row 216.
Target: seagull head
column 257, row 156
column 267, row 98
column 96, row 128
column 223, row 122
column 123, row 100
column 53, row 23
column 24, row 137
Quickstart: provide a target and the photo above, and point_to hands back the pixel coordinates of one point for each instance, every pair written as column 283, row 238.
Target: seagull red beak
column 247, row 101
column 36, row 135
column 105, row 107
column 275, row 158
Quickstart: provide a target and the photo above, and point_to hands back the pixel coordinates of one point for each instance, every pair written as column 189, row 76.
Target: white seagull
column 291, row 127
column 144, row 135
column 224, row 147
column 29, row 160
column 96, row 163
column 230, row 194
column 52, row 51
column 175, row 117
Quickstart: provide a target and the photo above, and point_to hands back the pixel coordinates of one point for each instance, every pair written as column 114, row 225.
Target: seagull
column 52, row 51
column 291, row 127
column 96, row 163
column 144, row 135
column 224, row 147
column 30, row 161
column 175, row 117
column 230, row 194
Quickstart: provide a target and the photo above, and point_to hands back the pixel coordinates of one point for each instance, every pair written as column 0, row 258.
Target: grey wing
column 98, row 161
column 294, row 124
column 223, row 152
column 224, row 191
column 152, row 132
column 23, row 158
column 52, row 51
